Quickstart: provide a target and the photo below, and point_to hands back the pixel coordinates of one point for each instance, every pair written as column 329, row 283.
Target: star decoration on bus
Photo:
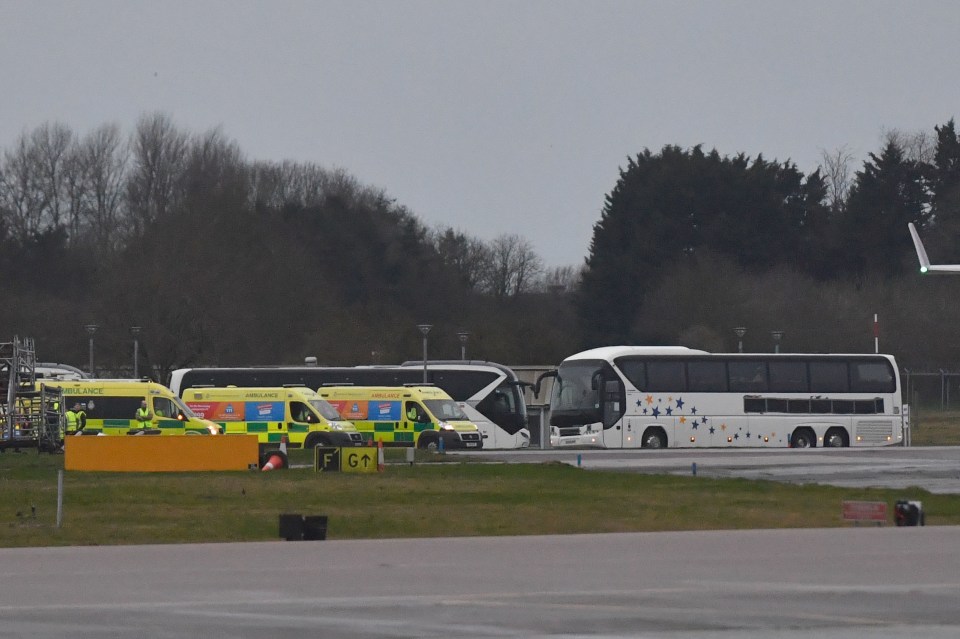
column 649, row 400
column 683, row 420
column 656, row 411
column 712, row 430
column 669, row 410
column 680, row 403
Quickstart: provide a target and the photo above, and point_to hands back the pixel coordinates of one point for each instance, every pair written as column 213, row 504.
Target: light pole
column 424, row 329
column 463, row 335
column 777, row 336
column 135, row 331
column 91, row 329
column 740, row 331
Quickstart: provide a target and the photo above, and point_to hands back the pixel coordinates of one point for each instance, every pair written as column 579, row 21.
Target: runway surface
column 837, row 583
column 934, row 468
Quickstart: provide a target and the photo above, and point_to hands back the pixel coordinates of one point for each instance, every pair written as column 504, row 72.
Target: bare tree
column 51, row 144
column 514, row 266
column 836, row 167
column 159, row 152
column 919, row 146
column 214, row 169
column 19, row 198
column 561, row 279
column 103, row 158
column 275, row 185
column 32, row 190
column 466, row 256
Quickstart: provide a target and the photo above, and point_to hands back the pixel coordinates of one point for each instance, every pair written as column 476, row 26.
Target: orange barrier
column 171, row 453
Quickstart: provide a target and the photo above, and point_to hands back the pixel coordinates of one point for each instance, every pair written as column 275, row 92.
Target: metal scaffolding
column 32, row 414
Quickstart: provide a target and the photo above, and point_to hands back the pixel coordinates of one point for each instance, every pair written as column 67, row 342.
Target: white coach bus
column 660, row 397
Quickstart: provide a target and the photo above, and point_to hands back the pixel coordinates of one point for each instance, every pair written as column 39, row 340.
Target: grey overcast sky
column 489, row 116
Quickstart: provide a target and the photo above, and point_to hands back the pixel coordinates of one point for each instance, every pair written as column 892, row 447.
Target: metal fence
column 931, row 391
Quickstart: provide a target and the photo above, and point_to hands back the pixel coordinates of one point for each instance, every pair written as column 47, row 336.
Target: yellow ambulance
column 414, row 415
column 110, row 408
column 270, row 413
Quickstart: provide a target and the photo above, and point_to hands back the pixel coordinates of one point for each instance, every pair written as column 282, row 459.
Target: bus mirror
column 595, row 381
column 542, row 376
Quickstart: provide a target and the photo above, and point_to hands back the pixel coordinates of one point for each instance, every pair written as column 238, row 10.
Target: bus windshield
column 326, row 410
column 576, row 397
column 445, row 409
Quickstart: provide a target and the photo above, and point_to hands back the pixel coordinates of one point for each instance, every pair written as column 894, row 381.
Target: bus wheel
column 803, row 438
column 836, row 438
column 654, row 438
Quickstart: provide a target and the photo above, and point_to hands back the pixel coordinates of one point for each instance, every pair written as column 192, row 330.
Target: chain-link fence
column 931, row 390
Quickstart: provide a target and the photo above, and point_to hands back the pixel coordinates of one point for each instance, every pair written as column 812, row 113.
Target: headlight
column 336, row 426
column 445, row 426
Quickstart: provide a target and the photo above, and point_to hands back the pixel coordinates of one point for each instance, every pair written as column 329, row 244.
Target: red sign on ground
column 865, row 510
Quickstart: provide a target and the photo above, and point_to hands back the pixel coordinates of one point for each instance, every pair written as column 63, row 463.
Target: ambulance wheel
column 315, row 440
column 428, row 443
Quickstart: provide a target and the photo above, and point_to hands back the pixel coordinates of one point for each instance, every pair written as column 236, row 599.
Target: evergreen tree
column 666, row 208
column 888, row 193
column 944, row 221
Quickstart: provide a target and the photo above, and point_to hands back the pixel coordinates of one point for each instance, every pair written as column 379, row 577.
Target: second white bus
column 666, row 397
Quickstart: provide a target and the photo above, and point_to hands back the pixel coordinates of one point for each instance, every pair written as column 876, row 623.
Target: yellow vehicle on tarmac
column 296, row 412
column 110, row 408
column 412, row 415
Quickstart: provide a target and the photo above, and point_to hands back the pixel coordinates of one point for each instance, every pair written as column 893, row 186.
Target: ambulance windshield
column 325, row 409
column 445, row 409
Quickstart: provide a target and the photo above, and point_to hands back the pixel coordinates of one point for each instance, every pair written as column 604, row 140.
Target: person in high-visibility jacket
column 76, row 419
column 144, row 415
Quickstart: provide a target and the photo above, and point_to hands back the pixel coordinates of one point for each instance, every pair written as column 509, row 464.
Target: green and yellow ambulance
column 416, row 415
column 296, row 412
column 110, row 408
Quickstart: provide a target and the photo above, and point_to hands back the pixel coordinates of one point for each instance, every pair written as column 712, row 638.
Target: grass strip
column 424, row 500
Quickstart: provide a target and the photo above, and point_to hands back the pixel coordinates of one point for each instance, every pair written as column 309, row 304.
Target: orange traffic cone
column 275, row 461
column 380, row 455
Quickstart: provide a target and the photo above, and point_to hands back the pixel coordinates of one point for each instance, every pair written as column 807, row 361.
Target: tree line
column 222, row 260
column 691, row 244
